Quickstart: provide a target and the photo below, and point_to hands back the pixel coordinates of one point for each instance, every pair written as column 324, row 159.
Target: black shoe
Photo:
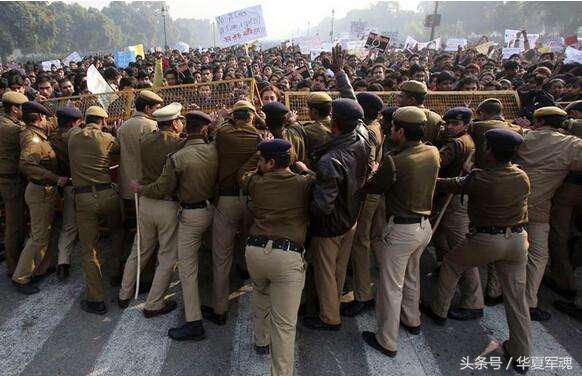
column 491, row 301
column 97, row 308
column 414, row 330
column 63, row 271
column 209, row 314
column 262, row 350
column 518, row 367
column 316, row 324
column 569, row 309
column 123, row 303
column 370, row 339
column 26, row 288
column 464, row 314
column 355, row 307
column 427, row 310
column 565, row 293
column 191, row 331
column 536, row 314
column 144, row 287
column 169, row 306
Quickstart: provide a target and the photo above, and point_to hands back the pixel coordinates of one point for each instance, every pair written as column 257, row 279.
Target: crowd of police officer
column 357, row 180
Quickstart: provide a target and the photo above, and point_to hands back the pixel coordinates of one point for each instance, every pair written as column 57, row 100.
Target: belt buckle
column 287, row 245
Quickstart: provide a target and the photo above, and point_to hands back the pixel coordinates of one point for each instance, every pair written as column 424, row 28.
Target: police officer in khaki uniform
column 190, row 174
column 456, row 154
column 361, row 251
column 90, row 152
column 67, row 118
column 408, row 178
column 12, row 184
column 38, row 162
column 158, row 224
column 546, row 155
column 236, row 144
column 413, row 93
column 498, row 198
column 279, row 122
column 274, row 251
column 488, row 115
column 318, row 131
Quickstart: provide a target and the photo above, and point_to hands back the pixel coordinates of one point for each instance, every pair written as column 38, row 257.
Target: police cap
column 33, row 107
column 549, row 111
column 69, row 112
column 243, row 106
column 503, row 138
column 346, row 109
column 198, row 116
column 274, row 147
column 275, row 109
column 413, row 86
column 170, row 112
column 370, row 101
column 319, row 97
column 459, row 113
column 409, row 115
column 96, row 111
column 574, row 106
column 150, row 97
column 14, row 97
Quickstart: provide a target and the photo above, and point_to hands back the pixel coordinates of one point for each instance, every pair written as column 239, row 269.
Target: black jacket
column 342, row 170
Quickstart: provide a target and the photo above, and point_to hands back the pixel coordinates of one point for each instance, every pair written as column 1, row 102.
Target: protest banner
column 377, row 42
column 453, row 44
column 514, row 39
column 572, row 55
column 506, row 52
column 483, row 48
column 241, row 26
column 74, row 57
column 138, row 49
column 410, row 43
column 96, row 84
column 123, row 58
column 308, row 43
column 46, row 65
column 182, row 47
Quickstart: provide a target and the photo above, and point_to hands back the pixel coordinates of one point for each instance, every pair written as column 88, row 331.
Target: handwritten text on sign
column 241, row 26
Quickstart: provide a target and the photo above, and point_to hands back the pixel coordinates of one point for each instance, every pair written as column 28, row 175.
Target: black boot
column 427, row 310
column 169, row 306
column 262, row 350
column 97, row 308
column 26, row 288
column 63, row 272
column 316, row 324
column 537, row 314
column 355, row 307
column 370, row 339
column 491, row 301
column 464, row 314
column 209, row 314
column 191, row 331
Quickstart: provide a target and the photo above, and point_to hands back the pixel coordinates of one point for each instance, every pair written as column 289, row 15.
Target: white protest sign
column 74, row 57
column 573, row 55
column 506, row 52
column 241, row 26
column 483, row 48
column 96, row 84
column 410, row 43
column 46, row 65
column 182, row 47
column 308, row 43
column 453, row 44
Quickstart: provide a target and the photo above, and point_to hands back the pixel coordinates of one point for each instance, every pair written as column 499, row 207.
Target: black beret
column 574, row 106
column 370, row 101
column 34, row 107
column 275, row 109
column 387, row 113
column 274, row 147
column 346, row 109
column 198, row 115
column 70, row 112
column 459, row 113
column 503, row 138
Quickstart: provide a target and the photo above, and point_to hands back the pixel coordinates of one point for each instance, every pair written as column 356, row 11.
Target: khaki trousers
column 35, row 257
column 158, row 224
column 278, row 278
column 537, row 259
column 453, row 229
column 228, row 220
column 361, row 251
column 330, row 262
column 566, row 201
column 398, row 293
column 493, row 286
column 69, row 231
column 509, row 254
column 192, row 224
column 92, row 208
column 11, row 191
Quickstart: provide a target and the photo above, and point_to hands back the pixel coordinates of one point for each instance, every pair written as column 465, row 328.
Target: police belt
column 9, row 176
column 407, row 220
column 92, row 188
column 229, row 191
column 193, row 205
column 497, row 230
column 282, row 244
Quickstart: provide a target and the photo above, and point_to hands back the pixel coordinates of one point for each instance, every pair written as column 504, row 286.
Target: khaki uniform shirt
column 191, row 172
column 90, row 152
column 454, row 153
column 408, row 178
column 155, row 147
column 280, row 204
column 38, row 160
column 60, row 143
column 477, row 131
column 9, row 145
column 235, row 144
column 433, row 126
column 317, row 134
column 497, row 195
column 129, row 135
column 547, row 156
column 296, row 136
column 375, row 128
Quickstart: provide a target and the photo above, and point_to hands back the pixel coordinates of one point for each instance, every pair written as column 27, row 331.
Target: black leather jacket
column 342, row 170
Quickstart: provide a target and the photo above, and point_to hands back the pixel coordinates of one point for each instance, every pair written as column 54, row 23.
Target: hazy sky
column 283, row 18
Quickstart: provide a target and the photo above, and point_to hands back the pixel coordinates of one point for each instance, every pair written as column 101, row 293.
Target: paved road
column 48, row 334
